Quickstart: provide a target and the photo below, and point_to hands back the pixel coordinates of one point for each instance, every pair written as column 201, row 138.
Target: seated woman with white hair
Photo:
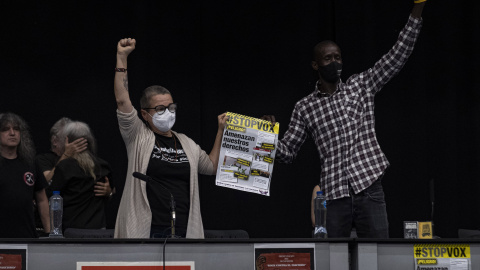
column 75, row 177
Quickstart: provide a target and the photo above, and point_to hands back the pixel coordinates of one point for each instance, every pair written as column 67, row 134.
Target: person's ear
column 54, row 140
column 315, row 65
column 145, row 115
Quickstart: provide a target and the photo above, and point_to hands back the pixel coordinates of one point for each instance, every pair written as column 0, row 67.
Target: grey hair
column 150, row 92
column 58, row 126
column 57, row 129
column 26, row 148
column 86, row 159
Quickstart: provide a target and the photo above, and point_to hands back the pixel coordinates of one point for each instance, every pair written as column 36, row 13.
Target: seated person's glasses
column 160, row 109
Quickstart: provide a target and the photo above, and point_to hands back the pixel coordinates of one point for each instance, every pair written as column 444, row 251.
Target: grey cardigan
column 134, row 215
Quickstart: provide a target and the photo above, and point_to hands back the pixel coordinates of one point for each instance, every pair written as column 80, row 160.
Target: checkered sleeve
column 392, row 62
column 293, row 139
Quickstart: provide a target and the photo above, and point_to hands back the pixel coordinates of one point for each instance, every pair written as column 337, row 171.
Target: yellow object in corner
column 425, row 230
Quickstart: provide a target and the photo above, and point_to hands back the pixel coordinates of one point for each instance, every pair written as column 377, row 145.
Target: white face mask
column 165, row 121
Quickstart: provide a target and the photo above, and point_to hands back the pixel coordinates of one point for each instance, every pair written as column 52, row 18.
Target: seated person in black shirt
column 76, row 176
column 19, row 182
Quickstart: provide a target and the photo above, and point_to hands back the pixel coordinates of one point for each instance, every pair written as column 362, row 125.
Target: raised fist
column 126, row 46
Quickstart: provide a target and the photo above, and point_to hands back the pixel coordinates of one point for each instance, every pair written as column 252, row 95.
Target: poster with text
column 442, row 256
column 13, row 257
column 247, row 154
column 284, row 257
column 188, row 265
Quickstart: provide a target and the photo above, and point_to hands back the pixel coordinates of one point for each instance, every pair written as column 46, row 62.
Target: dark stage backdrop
column 253, row 58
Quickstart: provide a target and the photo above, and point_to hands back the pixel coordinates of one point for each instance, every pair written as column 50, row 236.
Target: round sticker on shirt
column 29, row 179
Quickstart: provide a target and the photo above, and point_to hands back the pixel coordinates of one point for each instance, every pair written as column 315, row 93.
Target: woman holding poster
column 171, row 159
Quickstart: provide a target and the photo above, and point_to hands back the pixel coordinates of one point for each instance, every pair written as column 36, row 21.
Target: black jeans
column 366, row 211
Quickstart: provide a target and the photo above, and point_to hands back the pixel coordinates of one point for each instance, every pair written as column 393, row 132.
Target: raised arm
column 215, row 153
column 418, row 8
column 392, row 62
column 124, row 48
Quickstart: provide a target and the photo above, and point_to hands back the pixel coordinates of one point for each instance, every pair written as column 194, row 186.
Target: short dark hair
column 320, row 45
column 26, row 148
column 152, row 91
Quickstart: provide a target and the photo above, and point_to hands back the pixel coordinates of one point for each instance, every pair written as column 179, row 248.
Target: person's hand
column 74, row 147
column 102, row 189
column 222, row 120
column 126, row 46
column 270, row 118
column 418, row 8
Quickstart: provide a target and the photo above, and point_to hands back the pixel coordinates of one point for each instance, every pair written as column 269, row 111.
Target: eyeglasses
column 160, row 109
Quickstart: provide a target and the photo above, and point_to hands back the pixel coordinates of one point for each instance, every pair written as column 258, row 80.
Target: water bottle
column 320, row 205
column 56, row 214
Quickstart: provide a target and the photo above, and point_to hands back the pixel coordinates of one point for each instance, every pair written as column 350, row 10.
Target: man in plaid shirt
column 339, row 116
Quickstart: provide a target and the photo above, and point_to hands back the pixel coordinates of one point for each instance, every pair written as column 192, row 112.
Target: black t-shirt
column 81, row 208
column 18, row 184
column 46, row 161
column 169, row 165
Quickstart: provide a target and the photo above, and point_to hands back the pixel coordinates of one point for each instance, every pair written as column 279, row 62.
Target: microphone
column 432, row 190
column 142, row 177
column 172, row 205
column 432, row 201
column 432, row 196
column 147, row 179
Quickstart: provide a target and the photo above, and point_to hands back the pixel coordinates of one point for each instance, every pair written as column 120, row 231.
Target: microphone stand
column 432, row 200
column 172, row 211
column 147, row 179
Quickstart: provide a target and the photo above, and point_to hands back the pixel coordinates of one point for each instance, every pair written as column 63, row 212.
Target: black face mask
column 331, row 72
